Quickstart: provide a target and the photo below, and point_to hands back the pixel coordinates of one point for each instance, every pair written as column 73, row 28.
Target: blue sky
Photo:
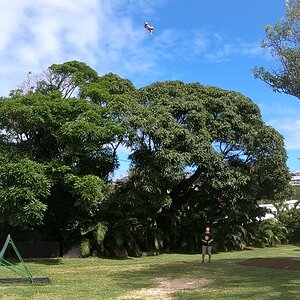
column 214, row 42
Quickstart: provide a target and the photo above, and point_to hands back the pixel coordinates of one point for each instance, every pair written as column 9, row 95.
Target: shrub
column 270, row 233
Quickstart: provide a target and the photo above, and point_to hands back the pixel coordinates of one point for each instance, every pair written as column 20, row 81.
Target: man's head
column 207, row 229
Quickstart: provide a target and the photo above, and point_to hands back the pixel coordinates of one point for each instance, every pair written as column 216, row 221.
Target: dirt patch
column 291, row 264
column 166, row 287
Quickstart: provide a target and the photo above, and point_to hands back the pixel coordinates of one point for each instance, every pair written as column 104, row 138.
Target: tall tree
column 200, row 155
column 70, row 139
column 283, row 40
column 65, row 78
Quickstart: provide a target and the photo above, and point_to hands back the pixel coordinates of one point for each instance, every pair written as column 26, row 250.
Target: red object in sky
column 148, row 27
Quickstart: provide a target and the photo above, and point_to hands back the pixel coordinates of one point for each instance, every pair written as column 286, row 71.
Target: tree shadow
column 17, row 280
column 238, row 281
column 296, row 245
column 45, row 261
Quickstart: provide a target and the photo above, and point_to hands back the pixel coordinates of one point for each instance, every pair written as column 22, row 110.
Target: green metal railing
column 21, row 270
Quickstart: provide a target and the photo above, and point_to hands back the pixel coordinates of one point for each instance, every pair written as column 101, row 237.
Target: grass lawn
column 95, row 278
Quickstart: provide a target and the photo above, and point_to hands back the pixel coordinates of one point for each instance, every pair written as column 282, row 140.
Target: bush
column 291, row 220
column 271, row 233
column 85, row 248
column 234, row 237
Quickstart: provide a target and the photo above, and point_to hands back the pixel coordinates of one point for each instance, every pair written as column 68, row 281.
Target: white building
column 271, row 210
column 295, row 178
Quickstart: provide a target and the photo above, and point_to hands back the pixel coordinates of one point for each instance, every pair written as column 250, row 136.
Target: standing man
column 207, row 240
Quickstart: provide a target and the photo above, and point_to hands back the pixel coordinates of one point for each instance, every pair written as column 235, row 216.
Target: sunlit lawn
column 95, row 278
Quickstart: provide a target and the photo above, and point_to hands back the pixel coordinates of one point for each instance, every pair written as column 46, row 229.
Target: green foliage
column 283, row 40
column 73, row 142
column 291, row 220
column 62, row 80
column 23, row 187
column 88, row 190
column 85, row 248
column 232, row 157
column 199, row 155
column 98, row 231
column 93, row 237
column 271, row 232
column 235, row 237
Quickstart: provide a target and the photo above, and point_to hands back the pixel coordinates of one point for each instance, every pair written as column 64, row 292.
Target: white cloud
column 228, row 51
column 251, row 49
column 35, row 34
column 290, row 129
column 107, row 35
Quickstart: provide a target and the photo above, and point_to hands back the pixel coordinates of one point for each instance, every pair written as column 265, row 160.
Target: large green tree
column 283, row 41
column 67, row 78
column 69, row 140
column 200, row 155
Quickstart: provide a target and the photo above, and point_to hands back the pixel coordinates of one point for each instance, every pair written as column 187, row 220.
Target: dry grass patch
column 166, row 287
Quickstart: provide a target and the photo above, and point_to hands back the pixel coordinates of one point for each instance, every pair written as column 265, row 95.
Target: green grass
column 95, row 278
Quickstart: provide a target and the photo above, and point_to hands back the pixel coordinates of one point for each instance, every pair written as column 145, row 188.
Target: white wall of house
column 272, row 211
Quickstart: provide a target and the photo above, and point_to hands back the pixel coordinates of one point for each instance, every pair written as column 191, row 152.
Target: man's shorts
column 206, row 250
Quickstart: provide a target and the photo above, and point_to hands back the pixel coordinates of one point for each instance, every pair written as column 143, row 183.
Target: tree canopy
column 199, row 155
column 283, row 40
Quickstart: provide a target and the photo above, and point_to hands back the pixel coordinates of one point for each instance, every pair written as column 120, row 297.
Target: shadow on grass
column 35, row 280
column 296, row 245
column 45, row 261
column 230, row 280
